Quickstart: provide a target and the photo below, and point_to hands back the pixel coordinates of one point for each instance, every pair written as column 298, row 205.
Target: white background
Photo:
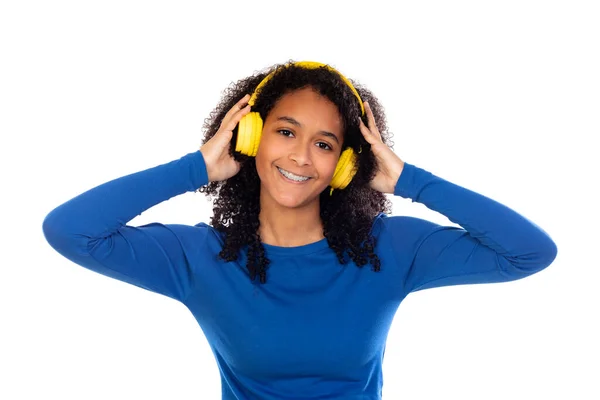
column 500, row 97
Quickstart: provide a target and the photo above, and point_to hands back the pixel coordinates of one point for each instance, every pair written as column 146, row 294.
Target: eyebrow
column 298, row 124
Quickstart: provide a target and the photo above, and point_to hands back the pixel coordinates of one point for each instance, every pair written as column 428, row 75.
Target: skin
column 290, row 214
column 290, row 211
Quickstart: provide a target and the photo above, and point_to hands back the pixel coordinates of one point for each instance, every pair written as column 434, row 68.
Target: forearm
column 493, row 224
column 105, row 208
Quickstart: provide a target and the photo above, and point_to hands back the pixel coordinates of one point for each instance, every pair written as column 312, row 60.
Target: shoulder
column 199, row 237
column 384, row 224
column 403, row 229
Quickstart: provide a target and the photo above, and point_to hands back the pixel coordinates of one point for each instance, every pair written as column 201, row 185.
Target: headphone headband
column 308, row 65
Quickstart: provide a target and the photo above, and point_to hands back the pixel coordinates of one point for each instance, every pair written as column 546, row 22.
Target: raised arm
column 494, row 243
column 91, row 229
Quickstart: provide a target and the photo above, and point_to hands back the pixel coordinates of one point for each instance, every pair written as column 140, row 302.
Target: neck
column 289, row 227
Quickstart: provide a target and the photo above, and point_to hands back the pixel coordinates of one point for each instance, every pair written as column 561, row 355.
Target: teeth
column 291, row 176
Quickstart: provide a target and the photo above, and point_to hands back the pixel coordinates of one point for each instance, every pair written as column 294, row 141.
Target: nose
column 301, row 154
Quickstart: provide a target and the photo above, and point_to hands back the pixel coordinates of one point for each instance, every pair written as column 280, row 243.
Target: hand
column 220, row 165
column 389, row 165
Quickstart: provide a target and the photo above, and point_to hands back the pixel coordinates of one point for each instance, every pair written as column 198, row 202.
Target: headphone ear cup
column 344, row 170
column 249, row 133
column 256, row 134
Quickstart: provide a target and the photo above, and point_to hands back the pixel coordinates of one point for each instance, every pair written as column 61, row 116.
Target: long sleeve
column 91, row 229
column 493, row 244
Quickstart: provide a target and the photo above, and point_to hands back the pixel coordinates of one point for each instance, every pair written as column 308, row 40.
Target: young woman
column 298, row 163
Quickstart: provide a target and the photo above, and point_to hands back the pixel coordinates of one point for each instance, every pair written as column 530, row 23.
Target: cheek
column 260, row 164
column 265, row 148
column 263, row 158
column 327, row 167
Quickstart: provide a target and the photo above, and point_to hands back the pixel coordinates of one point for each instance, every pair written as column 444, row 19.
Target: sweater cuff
column 411, row 181
column 197, row 172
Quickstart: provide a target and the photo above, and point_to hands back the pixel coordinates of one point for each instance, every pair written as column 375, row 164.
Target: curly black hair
column 347, row 215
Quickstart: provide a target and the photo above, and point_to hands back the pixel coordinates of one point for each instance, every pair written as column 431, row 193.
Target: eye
column 327, row 147
column 285, row 132
column 288, row 133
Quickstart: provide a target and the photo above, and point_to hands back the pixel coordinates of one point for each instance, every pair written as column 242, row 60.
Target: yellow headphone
column 251, row 125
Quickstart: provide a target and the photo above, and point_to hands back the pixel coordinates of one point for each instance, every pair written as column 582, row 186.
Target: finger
column 237, row 107
column 371, row 120
column 369, row 137
column 235, row 119
column 372, row 134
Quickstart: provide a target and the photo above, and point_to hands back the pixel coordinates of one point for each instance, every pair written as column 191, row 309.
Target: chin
column 288, row 194
column 289, row 201
column 294, row 199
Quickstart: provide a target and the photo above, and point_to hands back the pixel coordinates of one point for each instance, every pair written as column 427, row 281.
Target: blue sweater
column 317, row 329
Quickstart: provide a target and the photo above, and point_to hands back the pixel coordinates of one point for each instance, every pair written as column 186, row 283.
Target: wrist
column 395, row 176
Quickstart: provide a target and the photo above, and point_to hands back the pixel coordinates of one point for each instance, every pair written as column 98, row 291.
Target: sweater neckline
column 297, row 250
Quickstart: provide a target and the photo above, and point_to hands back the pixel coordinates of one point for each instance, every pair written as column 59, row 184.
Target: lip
column 289, row 180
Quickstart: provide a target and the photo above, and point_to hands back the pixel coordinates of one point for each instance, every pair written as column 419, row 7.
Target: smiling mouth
column 293, row 177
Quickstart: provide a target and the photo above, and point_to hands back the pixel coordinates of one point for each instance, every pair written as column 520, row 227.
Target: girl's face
column 299, row 149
